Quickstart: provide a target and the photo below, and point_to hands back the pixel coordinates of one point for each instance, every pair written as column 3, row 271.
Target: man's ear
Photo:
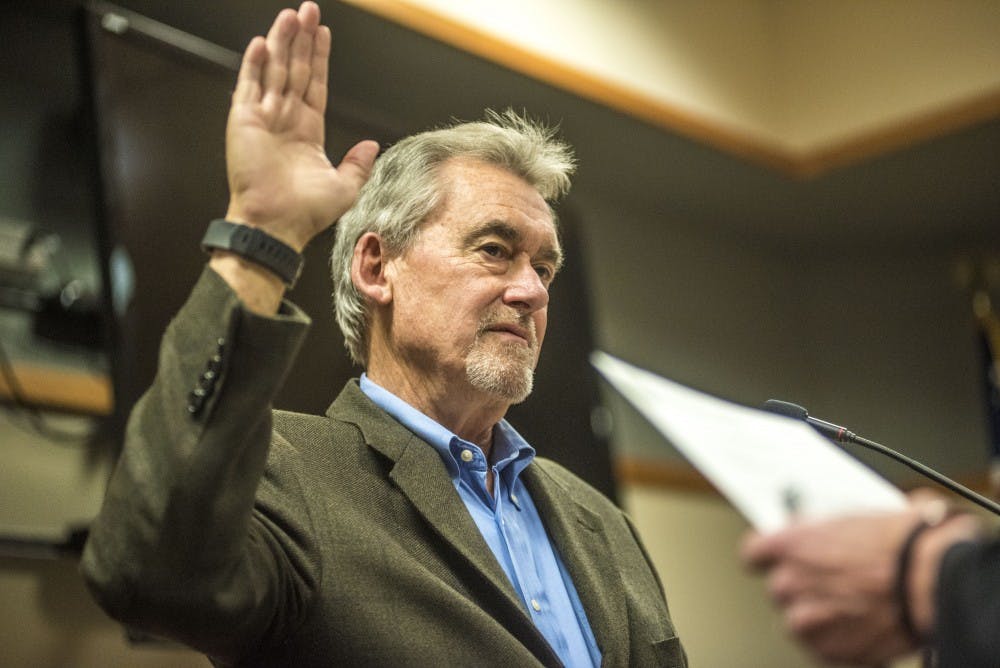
column 368, row 269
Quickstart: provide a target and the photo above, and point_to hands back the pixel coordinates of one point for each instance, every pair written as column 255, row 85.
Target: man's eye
column 544, row 272
column 493, row 250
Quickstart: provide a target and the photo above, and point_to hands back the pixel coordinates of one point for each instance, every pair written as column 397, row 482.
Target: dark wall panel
column 161, row 115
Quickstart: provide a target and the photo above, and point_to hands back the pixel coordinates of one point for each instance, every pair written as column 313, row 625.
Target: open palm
column 280, row 178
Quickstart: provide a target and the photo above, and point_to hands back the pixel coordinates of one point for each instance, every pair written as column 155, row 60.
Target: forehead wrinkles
column 477, row 182
column 470, row 189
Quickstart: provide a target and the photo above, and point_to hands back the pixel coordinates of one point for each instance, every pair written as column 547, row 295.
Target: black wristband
column 904, row 559
column 257, row 246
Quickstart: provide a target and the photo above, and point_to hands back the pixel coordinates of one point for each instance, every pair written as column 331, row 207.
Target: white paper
column 770, row 467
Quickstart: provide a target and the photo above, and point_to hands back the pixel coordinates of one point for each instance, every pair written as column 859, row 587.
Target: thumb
column 356, row 165
column 758, row 551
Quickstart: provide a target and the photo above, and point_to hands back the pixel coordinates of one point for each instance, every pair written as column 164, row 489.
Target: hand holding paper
column 770, row 467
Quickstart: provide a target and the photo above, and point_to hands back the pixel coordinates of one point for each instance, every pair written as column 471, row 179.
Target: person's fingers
column 316, row 93
column 963, row 526
column 357, row 163
column 760, row 551
column 928, row 502
column 279, row 39
column 923, row 494
column 807, row 617
column 248, row 84
column 783, row 585
column 309, row 15
column 300, row 55
column 832, row 633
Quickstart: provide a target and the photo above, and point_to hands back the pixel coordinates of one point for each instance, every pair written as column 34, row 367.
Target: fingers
column 300, row 64
column 761, row 551
column 356, row 166
column 292, row 60
column 924, row 495
column 963, row 527
column 784, row 584
column 315, row 94
column 248, row 87
column 279, row 39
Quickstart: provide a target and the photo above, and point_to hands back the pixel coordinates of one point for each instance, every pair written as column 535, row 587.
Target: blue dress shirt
column 510, row 524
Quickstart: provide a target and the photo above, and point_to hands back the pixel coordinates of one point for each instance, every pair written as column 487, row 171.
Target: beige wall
column 882, row 341
column 47, row 618
column 45, row 485
column 721, row 611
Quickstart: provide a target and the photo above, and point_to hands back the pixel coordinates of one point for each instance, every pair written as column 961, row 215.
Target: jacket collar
column 422, row 477
column 579, row 536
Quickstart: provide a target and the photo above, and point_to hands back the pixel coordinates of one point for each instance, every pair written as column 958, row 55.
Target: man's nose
column 525, row 290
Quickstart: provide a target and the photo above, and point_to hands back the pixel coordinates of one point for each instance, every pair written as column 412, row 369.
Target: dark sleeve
column 178, row 548
column 968, row 606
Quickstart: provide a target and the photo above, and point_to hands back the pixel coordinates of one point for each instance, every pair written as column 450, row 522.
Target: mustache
column 509, row 318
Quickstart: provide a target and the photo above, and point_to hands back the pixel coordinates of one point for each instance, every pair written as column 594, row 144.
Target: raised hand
column 280, row 178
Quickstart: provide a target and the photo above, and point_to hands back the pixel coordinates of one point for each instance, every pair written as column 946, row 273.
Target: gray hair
column 404, row 189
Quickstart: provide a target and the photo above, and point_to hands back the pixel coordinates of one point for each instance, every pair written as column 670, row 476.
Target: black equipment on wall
column 160, row 100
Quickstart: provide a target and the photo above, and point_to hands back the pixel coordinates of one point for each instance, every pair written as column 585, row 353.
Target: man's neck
column 465, row 411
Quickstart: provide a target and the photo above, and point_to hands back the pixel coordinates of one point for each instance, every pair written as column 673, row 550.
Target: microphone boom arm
column 842, row 435
column 942, row 480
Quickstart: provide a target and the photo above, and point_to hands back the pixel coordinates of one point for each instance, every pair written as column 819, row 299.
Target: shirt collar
column 511, row 453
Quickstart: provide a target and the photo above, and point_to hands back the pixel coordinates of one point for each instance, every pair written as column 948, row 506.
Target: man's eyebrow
column 553, row 256
column 511, row 235
column 496, row 228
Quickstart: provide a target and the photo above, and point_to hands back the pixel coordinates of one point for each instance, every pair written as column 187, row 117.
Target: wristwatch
column 257, row 246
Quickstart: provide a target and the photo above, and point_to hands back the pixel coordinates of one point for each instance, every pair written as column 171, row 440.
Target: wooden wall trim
column 663, row 474
column 60, row 389
column 588, row 86
column 797, row 164
column 907, row 132
column 92, row 394
column 679, row 476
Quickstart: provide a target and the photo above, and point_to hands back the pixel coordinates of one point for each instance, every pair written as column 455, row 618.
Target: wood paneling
column 75, row 391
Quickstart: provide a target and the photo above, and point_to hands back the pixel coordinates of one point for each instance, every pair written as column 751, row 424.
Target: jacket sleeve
column 179, row 548
column 968, row 606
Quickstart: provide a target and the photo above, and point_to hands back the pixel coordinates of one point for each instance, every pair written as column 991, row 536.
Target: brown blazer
column 290, row 539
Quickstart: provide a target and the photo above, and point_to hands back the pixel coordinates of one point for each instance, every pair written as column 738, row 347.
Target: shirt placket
column 533, row 591
column 473, row 466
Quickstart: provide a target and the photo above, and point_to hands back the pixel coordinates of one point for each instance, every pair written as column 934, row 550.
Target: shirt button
column 466, row 455
column 513, row 497
column 536, row 605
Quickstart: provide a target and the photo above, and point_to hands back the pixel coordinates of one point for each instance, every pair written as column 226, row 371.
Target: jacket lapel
column 578, row 535
column 421, row 476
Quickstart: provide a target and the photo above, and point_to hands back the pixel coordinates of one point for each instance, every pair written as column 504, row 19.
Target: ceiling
column 941, row 193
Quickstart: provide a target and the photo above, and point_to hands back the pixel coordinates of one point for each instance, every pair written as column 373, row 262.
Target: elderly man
column 410, row 525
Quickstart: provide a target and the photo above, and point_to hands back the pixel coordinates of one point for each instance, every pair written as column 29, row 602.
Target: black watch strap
column 255, row 245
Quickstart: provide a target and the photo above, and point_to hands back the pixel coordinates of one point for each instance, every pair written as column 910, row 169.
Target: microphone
column 836, row 432
column 843, row 435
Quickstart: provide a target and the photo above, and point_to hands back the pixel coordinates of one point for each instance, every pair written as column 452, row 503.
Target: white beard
column 505, row 369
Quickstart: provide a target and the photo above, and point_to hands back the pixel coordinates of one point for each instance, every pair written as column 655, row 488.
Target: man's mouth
column 512, row 331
